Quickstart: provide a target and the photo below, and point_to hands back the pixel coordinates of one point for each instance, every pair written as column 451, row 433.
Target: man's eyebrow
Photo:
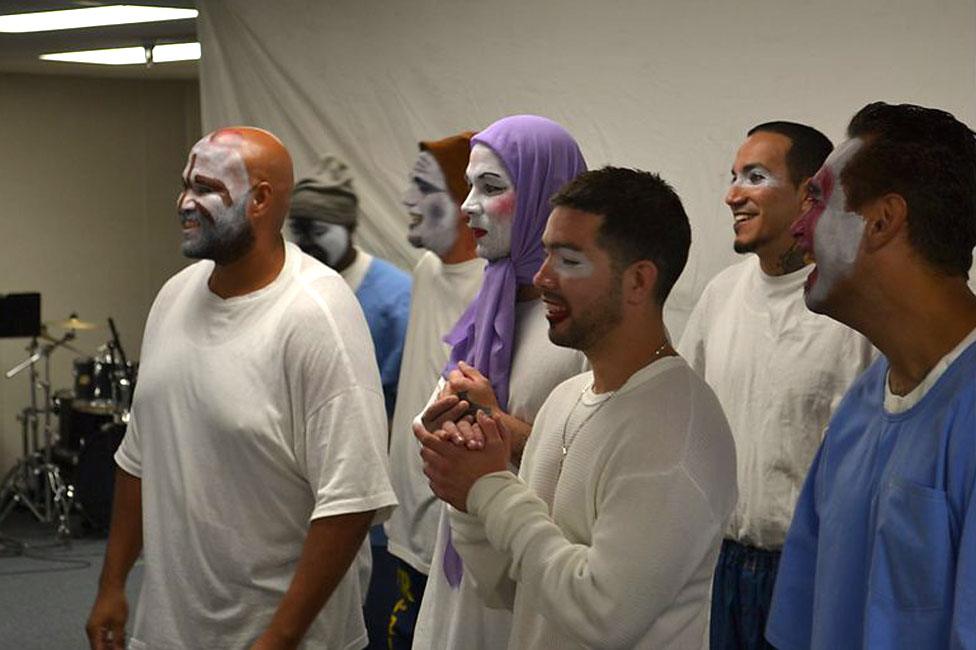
column 216, row 184
column 751, row 167
column 551, row 246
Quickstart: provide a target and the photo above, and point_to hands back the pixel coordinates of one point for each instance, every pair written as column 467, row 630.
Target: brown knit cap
column 451, row 155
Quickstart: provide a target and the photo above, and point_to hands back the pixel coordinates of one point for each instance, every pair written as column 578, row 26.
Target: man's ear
column 261, row 198
column 806, row 201
column 886, row 217
column 640, row 282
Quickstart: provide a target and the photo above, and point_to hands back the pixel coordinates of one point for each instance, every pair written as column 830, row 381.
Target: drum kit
column 68, row 435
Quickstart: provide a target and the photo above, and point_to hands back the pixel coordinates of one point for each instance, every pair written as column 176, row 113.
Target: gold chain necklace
column 564, row 447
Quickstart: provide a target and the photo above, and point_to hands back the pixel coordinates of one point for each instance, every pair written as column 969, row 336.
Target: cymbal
column 75, row 323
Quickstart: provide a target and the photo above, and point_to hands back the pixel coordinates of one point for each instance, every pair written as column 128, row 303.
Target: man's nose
column 735, row 197
column 543, row 279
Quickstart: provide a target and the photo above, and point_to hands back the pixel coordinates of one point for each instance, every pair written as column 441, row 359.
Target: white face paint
column 490, row 205
column 755, row 176
column 569, row 263
column 326, row 242
column 213, row 204
column 433, row 213
column 828, row 229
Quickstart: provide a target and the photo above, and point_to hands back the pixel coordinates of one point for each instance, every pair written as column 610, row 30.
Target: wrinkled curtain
column 669, row 87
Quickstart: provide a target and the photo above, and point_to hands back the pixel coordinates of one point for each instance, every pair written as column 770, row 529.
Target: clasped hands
column 459, row 447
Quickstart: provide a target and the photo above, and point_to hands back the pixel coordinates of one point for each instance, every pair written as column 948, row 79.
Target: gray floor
column 47, row 587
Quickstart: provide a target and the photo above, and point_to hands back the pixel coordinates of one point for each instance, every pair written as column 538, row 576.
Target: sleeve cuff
column 485, row 488
column 383, row 504
column 127, row 465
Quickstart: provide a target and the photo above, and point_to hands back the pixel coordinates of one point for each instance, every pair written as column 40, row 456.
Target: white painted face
column 490, row 206
column 213, row 205
column 828, row 229
column 326, row 242
column 433, row 213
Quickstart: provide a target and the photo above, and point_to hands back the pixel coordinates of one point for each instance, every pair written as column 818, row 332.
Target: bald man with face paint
column 882, row 549
column 753, row 340
column 254, row 460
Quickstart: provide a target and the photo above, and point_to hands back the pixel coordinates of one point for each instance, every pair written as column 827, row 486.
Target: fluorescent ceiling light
column 47, row 21
column 130, row 55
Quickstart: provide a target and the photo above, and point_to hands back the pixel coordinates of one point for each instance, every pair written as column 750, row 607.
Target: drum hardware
column 35, row 480
column 63, row 462
column 45, row 336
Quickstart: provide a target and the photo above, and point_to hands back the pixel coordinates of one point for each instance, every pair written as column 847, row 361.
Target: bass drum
column 85, row 449
column 77, row 420
column 95, row 477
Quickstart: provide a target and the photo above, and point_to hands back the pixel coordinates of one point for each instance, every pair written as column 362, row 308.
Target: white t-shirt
column 779, row 371
column 440, row 294
column 457, row 619
column 616, row 549
column 253, row 416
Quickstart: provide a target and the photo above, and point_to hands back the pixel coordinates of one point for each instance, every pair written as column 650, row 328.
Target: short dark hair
column 808, row 150
column 643, row 219
column 929, row 158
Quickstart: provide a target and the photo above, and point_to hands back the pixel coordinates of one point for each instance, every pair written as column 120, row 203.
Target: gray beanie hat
column 327, row 195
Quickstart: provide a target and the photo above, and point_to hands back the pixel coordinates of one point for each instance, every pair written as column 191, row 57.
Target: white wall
column 89, row 174
column 666, row 86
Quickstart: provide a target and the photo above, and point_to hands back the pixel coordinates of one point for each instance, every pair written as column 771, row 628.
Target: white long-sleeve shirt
column 616, row 550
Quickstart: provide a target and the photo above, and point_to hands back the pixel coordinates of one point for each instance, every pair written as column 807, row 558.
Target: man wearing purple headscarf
column 502, row 360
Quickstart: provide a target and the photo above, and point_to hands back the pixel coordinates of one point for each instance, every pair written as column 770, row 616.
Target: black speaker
column 20, row 315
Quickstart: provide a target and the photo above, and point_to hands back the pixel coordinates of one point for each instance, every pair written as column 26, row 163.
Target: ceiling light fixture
column 131, row 55
column 47, row 21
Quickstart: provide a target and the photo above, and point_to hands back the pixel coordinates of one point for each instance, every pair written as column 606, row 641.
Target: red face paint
column 804, row 227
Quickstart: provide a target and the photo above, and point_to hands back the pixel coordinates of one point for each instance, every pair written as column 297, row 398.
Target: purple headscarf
column 540, row 157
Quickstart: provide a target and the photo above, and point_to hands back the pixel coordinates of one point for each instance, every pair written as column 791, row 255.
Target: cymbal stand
column 35, row 481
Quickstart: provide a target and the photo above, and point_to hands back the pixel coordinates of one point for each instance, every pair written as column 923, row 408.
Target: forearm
column 487, row 567
column 608, row 591
column 330, row 547
column 125, row 534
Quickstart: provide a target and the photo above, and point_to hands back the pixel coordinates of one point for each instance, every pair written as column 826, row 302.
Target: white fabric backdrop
column 669, row 87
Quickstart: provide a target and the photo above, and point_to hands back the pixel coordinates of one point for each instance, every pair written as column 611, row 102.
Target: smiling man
column 608, row 535
column 254, row 460
column 778, row 370
column 882, row 549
